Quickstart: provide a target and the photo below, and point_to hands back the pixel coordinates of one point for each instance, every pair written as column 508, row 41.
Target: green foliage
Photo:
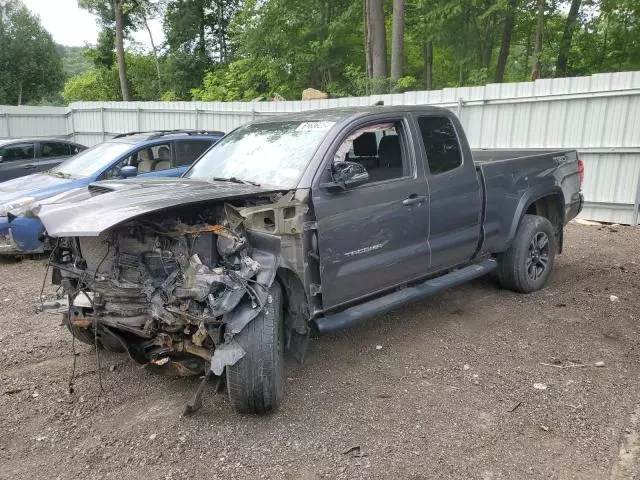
column 30, row 64
column 98, row 85
column 74, row 60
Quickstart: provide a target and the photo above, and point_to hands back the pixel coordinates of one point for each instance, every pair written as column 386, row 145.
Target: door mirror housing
column 128, row 171
column 346, row 175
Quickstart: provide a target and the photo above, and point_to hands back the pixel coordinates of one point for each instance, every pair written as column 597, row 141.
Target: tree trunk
column 378, row 45
column 537, row 50
column 507, row 31
column 367, row 38
column 427, row 53
column 397, row 40
column 567, row 36
column 19, row 93
column 122, row 65
column 155, row 51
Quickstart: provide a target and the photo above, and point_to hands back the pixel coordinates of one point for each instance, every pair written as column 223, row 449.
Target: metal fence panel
column 599, row 115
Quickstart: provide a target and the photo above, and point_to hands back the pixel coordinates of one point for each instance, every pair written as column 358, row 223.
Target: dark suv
column 23, row 156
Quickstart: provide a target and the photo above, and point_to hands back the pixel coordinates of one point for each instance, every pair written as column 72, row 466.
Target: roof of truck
column 340, row 113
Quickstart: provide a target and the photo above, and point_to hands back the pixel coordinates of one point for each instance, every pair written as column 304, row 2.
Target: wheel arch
column 548, row 203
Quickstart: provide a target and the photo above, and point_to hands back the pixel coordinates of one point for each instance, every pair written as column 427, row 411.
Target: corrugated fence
column 599, row 115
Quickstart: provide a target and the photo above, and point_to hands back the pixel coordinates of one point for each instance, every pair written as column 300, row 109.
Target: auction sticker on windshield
column 314, row 126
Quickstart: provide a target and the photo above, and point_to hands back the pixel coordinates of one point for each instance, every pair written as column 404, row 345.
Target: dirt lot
column 440, row 389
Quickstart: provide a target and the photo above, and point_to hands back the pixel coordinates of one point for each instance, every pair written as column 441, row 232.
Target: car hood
column 90, row 211
column 39, row 186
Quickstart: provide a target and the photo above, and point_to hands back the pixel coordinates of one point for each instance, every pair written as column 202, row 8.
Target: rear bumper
column 20, row 236
column 574, row 208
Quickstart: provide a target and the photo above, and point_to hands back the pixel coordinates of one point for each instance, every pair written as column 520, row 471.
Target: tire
column 256, row 382
column 526, row 266
column 84, row 335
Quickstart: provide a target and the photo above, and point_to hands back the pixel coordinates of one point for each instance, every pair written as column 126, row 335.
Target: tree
column 377, row 33
column 505, row 45
column 397, row 40
column 535, row 69
column 567, row 35
column 122, row 64
column 119, row 15
column 30, row 62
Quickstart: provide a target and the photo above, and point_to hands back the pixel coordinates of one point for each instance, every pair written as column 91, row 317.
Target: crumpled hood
column 90, row 211
column 38, row 185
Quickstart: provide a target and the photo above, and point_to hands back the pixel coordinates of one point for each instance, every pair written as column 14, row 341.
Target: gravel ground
column 440, row 389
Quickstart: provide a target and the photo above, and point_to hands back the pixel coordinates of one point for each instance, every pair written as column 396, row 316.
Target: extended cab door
column 454, row 188
column 374, row 236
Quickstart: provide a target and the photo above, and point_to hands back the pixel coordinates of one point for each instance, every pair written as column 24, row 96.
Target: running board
column 354, row 315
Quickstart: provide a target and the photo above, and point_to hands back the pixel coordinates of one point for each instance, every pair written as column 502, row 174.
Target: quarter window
column 440, row 143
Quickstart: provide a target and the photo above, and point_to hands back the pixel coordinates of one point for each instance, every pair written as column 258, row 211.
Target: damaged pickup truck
column 308, row 221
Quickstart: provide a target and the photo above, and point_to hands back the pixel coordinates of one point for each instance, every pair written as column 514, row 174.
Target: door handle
column 413, row 199
column 29, row 166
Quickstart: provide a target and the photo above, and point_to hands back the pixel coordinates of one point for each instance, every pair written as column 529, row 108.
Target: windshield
column 270, row 154
column 92, row 161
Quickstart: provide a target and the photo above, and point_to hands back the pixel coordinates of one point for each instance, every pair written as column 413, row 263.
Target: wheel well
column 551, row 208
column 294, row 301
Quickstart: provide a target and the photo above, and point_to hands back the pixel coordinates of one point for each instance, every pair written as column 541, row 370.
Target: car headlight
column 16, row 205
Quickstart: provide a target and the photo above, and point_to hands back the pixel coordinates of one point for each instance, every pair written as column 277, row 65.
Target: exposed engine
column 172, row 292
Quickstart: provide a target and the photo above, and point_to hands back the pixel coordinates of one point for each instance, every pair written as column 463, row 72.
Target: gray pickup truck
column 302, row 222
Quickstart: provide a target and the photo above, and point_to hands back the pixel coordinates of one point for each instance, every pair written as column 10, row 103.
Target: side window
column 188, row 151
column 54, row 149
column 20, row 151
column 378, row 148
column 440, row 143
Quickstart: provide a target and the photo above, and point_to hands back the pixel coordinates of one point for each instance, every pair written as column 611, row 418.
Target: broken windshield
column 270, row 154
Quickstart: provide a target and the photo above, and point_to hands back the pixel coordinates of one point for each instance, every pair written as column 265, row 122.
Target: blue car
column 144, row 154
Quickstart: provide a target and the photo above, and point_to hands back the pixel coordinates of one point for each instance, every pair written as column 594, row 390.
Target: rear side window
column 54, row 149
column 75, row 149
column 188, row 151
column 20, row 151
column 440, row 143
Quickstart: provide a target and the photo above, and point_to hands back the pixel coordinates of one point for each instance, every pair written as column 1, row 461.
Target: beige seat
column 164, row 159
column 145, row 161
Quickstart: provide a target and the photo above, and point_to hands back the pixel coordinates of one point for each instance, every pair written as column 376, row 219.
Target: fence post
column 139, row 120
column 102, row 125
column 636, row 204
column 6, row 116
column 73, row 124
column 197, row 117
column 460, row 105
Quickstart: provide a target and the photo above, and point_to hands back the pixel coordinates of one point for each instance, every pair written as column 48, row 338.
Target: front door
column 374, row 236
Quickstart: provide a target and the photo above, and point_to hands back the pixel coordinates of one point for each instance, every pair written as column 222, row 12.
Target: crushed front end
column 172, row 288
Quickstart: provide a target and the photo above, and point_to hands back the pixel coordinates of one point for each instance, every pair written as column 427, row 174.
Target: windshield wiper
column 236, row 180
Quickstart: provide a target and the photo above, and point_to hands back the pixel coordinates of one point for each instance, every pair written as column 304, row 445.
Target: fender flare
column 528, row 199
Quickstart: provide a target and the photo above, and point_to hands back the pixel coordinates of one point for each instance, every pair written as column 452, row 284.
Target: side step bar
column 354, row 315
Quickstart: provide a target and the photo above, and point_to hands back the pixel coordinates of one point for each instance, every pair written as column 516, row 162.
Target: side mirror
column 346, row 175
column 128, row 171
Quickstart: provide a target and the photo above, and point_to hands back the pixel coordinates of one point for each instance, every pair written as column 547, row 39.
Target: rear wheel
column 256, row 382
column 526, row 266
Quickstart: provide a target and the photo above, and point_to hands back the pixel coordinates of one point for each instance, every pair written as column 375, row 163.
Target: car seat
column 145, row 161
column 164, row 159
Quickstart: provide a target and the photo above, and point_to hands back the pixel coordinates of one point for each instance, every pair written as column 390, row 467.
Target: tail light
column 581, row 171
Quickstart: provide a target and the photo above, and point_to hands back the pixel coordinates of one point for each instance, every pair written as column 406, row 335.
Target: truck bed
column 512, row 179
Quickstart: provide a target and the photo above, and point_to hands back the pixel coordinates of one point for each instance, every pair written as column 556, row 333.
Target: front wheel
column 256, row 382
column 526, row 266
